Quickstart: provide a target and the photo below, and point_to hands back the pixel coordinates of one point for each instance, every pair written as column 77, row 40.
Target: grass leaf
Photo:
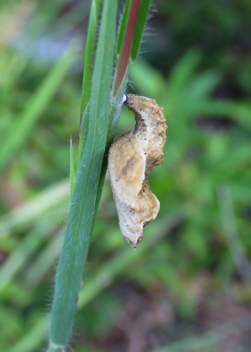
column 82, row 209
column 19, row 130
column 140, row 25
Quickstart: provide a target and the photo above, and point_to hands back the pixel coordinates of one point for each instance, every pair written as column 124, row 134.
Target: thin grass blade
column 20, row 129
column 79, row 225
column 72, row 168
column 140, row 25
column 90, row 48
column 122, row 27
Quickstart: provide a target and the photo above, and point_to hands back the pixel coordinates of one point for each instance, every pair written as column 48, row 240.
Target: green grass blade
column 182, row 73
column 127, row 44
column 72, row 168
column 100, row 280
column 141, row 21
column 114, row 267
column 43, row 262
column 75, row 247
column 123, row 24
column 20, row 256
column 20, row 129
column 112, row 127
column 232, row 235
column 90, row 48
column 239, row 111
column 23, row 215
column 31, row 341
column 131, row 29
column 147, row 80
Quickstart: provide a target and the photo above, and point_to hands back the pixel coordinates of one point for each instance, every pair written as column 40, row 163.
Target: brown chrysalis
column 131, row 158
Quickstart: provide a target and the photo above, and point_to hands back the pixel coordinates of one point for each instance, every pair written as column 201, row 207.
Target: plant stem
column 127, row 44
column 82, row 210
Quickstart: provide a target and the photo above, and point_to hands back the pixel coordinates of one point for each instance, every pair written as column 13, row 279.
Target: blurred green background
column 187, row 287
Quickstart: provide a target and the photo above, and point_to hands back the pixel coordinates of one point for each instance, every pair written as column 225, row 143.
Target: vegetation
column 191, row 272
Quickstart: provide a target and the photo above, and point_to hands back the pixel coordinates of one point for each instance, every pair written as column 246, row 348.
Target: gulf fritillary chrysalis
column 131, row 158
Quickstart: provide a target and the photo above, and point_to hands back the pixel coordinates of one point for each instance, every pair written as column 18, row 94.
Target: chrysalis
column 131, row 158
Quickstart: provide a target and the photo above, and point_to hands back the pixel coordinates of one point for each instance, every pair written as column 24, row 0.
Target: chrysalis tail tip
column 134, row 245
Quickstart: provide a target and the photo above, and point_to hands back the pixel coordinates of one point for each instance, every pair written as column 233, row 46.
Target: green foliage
column 122, row 27
column 17, row 131
column 79, row 224
column 90, row 49
column 140, row 25
column 208, row 144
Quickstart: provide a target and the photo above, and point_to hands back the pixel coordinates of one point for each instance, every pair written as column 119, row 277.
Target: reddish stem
column 127, row 43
